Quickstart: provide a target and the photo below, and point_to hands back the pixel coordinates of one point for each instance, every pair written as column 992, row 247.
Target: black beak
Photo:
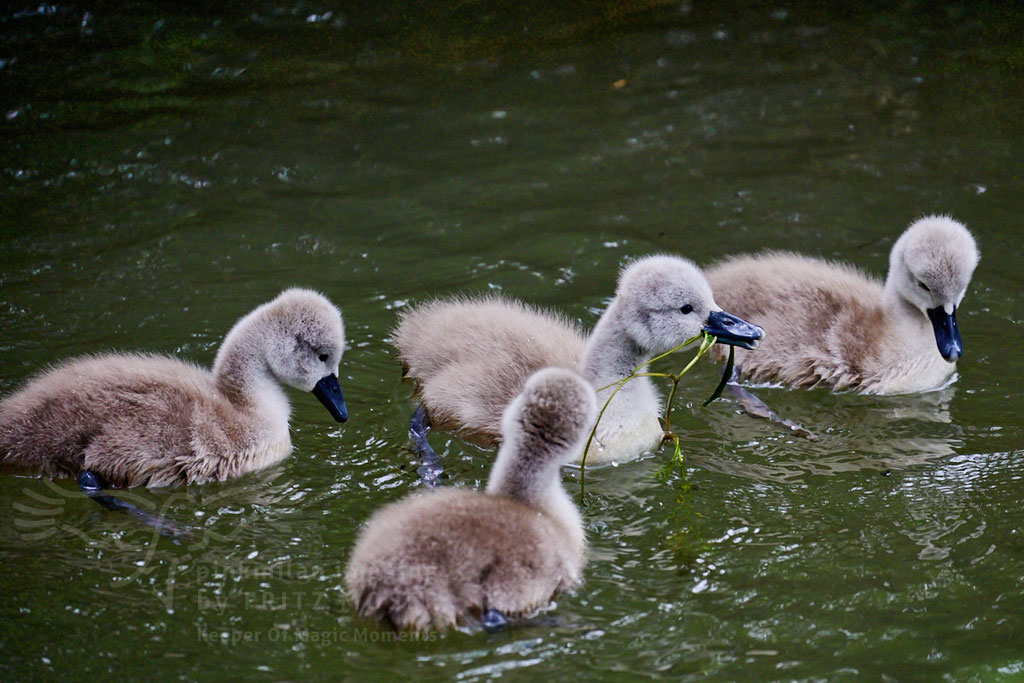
column 947, row 334
column 732, row 330
column 329, row 392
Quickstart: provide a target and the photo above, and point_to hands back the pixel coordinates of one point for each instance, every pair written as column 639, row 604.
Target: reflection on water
column 856, row 433
column 942, row 511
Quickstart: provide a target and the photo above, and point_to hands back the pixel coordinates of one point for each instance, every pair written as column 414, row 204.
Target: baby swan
column 136, row 419
column 830, row 324
column 470, row 357
column 452, row 557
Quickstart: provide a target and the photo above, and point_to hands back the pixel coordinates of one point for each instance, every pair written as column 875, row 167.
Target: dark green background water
column 164, row 170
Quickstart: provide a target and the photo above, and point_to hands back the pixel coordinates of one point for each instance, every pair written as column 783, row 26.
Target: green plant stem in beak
column 726, row 376
column 706, row 342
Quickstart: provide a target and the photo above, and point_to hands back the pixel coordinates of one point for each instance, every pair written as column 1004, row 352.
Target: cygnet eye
column 324, row 357
column 686, row 309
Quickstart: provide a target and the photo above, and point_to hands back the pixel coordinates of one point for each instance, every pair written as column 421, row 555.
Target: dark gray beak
column 329, row 392
column 947, row 334
column 732, row 330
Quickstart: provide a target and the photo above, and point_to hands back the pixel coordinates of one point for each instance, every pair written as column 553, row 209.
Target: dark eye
column 923, row 286
column 686, row 309
column 324, row 357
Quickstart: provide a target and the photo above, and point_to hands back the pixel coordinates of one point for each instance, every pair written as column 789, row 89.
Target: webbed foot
column 758, row 408
column 92, row 485
column 493, row 621
column 430, row 468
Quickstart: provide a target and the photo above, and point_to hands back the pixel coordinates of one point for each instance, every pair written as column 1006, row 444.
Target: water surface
column 164, row 172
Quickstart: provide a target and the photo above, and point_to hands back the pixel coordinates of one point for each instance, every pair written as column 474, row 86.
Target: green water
column 164, row 172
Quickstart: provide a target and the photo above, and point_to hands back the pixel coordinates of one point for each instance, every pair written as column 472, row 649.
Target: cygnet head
column 930, row 267
column 549, row 421
column 666, row 300
column 301, row 337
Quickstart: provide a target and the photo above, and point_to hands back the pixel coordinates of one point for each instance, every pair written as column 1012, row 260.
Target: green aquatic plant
column 706, row 342
column 684, row 541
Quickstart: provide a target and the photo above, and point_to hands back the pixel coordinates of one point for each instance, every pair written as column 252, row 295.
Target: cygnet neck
column 533, row 479
column 897, row 305
column 526, row 477
column 610, row 354
column 240, row 369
